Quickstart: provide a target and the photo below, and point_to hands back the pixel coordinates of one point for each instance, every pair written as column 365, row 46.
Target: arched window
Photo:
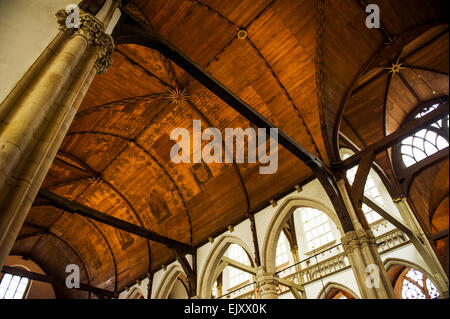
column 316, row 226
column 235, row 276
column 415, row 285
column 427, row 141
column 282, row 255
column 13, row 287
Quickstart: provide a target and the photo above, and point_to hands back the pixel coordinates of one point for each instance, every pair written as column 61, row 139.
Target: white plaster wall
column 178, row 291
column 345, row 278
column 27, row 27
column 408, row 253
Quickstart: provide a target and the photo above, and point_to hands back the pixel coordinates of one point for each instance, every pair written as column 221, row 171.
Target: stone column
column 361, row 250
column 36, row 115
column 266, row 284
column 423, row 245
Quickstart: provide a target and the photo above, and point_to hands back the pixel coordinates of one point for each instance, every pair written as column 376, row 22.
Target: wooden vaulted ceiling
column 297, row 67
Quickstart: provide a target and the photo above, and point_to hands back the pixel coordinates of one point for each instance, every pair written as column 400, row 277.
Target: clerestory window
column 427, row 141
column 316, row 226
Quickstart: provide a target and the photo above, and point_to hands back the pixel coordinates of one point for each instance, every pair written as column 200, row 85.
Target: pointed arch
column 213, row 260
column 334, row 285
column 169, row 279
column 390, row 262
column 280, row 218
column 136, row 293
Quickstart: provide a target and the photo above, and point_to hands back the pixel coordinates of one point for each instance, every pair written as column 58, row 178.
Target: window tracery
column 417, row 286
column 427, row 141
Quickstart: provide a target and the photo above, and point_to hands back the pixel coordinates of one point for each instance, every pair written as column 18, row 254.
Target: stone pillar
column 266, row 284
column 36, row 115
column 361, row 249
column 423, row 246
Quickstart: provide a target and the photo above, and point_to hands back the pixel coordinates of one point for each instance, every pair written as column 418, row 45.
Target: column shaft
column 361, row 250
column 266, row 284
column 36, row 115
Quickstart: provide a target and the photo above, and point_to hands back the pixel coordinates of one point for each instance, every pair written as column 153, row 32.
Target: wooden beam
column 290, row 284
column 150, row 285
column 359, row 183
column 404, row 131
column 251, row 217
column 394, row 221
column 189, row 271
column 238, row 265
column 295, row 292
column 141, row 34
column 439, row 235
column 219, row 269
column 29, row 235
column 77, row 208
column 45, row 278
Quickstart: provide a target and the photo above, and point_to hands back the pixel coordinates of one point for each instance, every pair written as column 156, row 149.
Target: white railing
column 385, row 242
column 390, row 240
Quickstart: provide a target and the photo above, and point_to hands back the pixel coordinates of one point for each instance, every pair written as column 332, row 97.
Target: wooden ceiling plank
column 77, row 208
column 143, row 35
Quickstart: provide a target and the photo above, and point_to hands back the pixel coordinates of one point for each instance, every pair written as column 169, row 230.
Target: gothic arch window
column 283, row 251
column 235, row 276
column 413, row 284
column 233, row 283
column 425, row 142
column 316, row 228
column 13, row 287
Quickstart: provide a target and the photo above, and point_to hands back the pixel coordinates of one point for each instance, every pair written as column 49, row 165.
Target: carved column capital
column 357, row 239
column 92, row 30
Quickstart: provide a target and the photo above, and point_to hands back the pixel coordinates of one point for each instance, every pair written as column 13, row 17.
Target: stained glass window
column 417, row 286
